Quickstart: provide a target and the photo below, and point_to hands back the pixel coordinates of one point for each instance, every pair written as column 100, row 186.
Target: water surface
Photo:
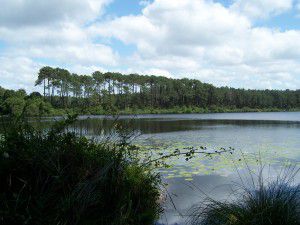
column 273, row 138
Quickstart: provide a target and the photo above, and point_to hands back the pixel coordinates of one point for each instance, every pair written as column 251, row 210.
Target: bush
column 14, row 105
column 274, row 203
column 56, row 177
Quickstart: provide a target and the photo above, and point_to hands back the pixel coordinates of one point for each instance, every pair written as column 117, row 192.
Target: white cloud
column 18, row 72
column 154, row 71
column 144, row 3
column 64, row 44
column 80, row 69
column 21, row 72
column 36, row 12
column 261, row 9
column 184, row 24
column 49, row 31
column 196, row 38
column 216, row 44
column 66, row 33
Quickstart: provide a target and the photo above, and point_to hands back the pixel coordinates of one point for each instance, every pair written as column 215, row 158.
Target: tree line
column 65, row 89
column 100, row 93
column 18, row 102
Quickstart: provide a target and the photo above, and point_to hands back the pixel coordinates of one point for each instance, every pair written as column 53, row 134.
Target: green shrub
column 56, row 177
column 14, row 105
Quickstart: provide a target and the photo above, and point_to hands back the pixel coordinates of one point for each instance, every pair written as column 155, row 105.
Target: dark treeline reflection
column 104, row 127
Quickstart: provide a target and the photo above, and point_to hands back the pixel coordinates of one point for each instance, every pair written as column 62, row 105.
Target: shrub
column 266, row 204
column 56, row 177
column 14, row 105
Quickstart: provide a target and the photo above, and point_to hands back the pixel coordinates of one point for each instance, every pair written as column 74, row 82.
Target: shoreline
column 172, row 111
column 89, row 115
column 175, row 111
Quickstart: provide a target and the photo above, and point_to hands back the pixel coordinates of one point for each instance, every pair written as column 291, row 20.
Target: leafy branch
column 187, row 152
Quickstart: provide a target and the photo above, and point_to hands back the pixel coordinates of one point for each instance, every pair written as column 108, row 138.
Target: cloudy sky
column 238, row 43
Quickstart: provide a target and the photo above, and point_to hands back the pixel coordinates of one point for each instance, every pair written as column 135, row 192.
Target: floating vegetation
column 213, row 160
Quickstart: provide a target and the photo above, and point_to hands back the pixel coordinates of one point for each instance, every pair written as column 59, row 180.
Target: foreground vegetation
column 104, row 93
column 55, row 177
column 262, row 203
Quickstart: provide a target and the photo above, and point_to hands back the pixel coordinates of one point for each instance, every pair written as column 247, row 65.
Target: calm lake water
column 270, row 138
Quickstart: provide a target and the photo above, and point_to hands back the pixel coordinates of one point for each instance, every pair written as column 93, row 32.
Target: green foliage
column 131, row 93
column 115, row 93
column 17, row 103
column 14, row 105
column 37, row 106
column 56, row 177
column 2, row 91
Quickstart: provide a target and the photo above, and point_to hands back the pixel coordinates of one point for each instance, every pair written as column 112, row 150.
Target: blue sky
column 124, row 8
column 286, row 21
column 238, row 43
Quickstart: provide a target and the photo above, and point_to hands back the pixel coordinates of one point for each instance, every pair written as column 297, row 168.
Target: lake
column 272, row 139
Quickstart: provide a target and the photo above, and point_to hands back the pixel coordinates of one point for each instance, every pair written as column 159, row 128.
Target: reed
column 262, row 203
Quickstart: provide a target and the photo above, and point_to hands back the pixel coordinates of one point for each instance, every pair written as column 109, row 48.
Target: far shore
column 152, row 111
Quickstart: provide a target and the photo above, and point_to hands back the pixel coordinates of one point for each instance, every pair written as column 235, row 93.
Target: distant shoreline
column 200, row 111
column 156, row 112
column 163, row 111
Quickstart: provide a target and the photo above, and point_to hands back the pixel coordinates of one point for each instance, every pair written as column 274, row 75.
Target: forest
column 100, row 93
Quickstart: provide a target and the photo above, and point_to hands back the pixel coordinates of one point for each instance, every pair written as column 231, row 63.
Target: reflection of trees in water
column 147, row 126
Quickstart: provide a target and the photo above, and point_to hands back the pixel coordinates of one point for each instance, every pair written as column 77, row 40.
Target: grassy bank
column 175, row 110
column 187, row 110
column 56, row 177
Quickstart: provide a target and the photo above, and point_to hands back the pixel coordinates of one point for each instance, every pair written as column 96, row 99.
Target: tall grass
column 55, row 177
column 262, row 203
